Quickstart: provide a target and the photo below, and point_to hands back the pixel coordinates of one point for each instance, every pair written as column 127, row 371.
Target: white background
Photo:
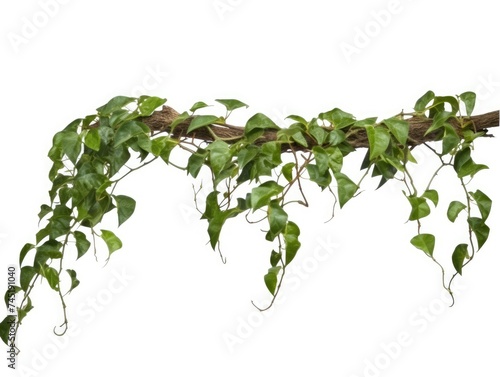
column 359, row 286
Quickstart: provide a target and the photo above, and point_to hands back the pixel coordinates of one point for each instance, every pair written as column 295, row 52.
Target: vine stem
column 61, row 297
column 132, row 170
column 278, row 287
column 471, row 241
column 23, row 303
column 298, row 174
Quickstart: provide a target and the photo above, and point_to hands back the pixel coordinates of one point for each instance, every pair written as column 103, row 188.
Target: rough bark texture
column 162, row 120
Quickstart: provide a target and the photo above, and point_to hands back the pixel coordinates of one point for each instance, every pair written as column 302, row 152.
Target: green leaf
column 160, row 143
column 319, row 134
column 469, row 99
column 364, row 123
column 128, row 130
column 424, row 242
column 162, row 146
column 366, row 163
column 114, row 104
column 423, row 101
column 419, row 207
column 298, row 119
column 382, row 167
column 459, row 256
column 181, row 118
column 74, row 281
column 298, row 136
column 200, row 121
column 22, row 312
column 85, row 183
column 24, row 251
column 197, row 106
column 454, row 210
column 399, row 128
column 432, row 195
column 322, row 180
column 60, row 222
column 8, row 296
column 51, row 249
column 196, row 161
column 336, row 137
column 243, row 204
column 322, row 159
column 295, row 133
column 338, row 118
column 91, row 211
column 271, row 151
column 275, row 258
column 42, row 234
column 277, row 218
column 247, row 154
column 27, row 274
column 379, row 139
column 69, row 143
column 216, row 222
column 73, row 126
column 5, row 327
column 144, row 142
column 231, row 104
column 246, row 173
column 470, row 168
column 219, row 155
column 118, row 157
column 292, row 243
column 335, row 158
column 215, row 217
column 461, row 158
column 464, row 165
column 346, row 188
column 483, row 203
column 51, row 275
column 261, row 195
column 256, row 169
column 82, row 244
column 93, row 139
column 120, row 116
column 87, row 121
column 54, row 170
column 259, row 122
column 55, row 154
column 147, row 105
column 125, row 206
column 112, row 241
column 450, row 139
column 271, row 279
column 287, row 169
column 438, row 121
column 44, row 210
column 211, row 206
column 480, row 229
column 441, row 100
column 65, row 194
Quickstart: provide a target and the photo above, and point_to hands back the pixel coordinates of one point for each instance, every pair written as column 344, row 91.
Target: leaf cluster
column 250, row 177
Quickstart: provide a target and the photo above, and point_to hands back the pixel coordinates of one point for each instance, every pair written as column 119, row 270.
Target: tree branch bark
column 161, row 121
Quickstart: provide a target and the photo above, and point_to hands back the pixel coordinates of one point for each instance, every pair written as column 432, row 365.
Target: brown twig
column 162, row 119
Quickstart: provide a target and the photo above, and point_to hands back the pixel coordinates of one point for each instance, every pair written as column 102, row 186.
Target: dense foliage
column 251, row 176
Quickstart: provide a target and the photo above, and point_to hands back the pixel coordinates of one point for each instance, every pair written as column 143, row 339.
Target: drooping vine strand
column 250, row 176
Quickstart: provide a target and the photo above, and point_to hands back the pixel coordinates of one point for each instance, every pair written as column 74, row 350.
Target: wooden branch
column 161, row 121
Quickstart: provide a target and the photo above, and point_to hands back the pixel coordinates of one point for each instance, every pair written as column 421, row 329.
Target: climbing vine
column 257, row 171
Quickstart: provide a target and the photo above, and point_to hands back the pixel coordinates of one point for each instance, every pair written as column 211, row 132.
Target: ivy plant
column 257, row 171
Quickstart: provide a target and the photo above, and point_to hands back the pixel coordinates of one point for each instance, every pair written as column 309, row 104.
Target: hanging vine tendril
column 257, row 170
